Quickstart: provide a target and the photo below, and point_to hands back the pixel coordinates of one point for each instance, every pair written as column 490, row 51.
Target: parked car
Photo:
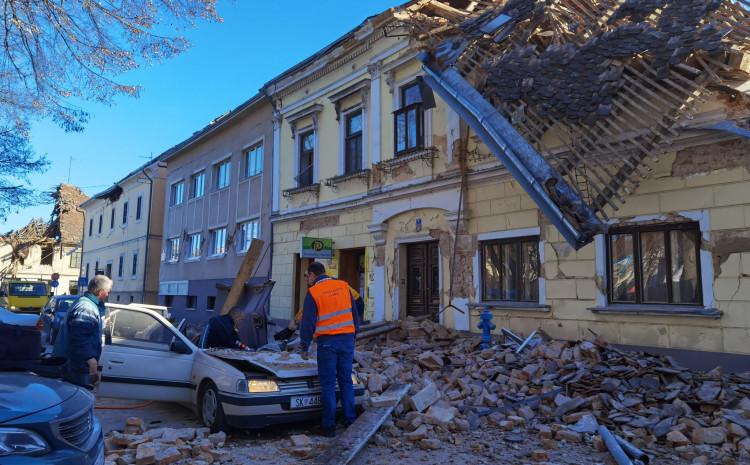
column 47, row 422
column 20, row 319
column 145, row 357
column 53, row 314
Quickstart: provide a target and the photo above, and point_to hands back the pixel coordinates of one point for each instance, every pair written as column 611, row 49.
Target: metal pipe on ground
column 614, row 447
column 634, row 452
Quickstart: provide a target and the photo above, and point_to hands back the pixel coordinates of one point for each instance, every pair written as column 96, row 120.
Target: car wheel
column 211, row 411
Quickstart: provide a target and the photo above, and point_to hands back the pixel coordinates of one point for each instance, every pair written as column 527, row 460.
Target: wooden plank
column 245, row 273
column 347, row 445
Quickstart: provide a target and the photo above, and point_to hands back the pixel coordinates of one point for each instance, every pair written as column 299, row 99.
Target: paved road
column 112, row 414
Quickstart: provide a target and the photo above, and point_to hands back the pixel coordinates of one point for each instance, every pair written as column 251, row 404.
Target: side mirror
column 178, row 346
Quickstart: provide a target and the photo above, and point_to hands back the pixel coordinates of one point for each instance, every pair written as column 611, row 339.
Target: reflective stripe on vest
column 334, row 302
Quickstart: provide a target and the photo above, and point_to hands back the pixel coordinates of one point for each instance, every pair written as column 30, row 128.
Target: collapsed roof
column 574, row 96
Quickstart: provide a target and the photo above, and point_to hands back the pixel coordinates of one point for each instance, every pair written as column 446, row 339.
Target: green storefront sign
column 315, row 247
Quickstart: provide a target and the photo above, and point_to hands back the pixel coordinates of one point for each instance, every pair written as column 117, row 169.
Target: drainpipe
column 148, row 230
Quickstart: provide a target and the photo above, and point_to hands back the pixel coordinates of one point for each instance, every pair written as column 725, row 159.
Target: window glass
column 654, row 267
column 173, row 249
column 125, row 213
column 411, row 95
column 120, row 266
column 75, row 259
column 218, row 241
column 194, row 245
column 138, row 206
column 306, row 159
column 138, row 329
column 353, row 143
column 223, row 174
column 177, row 193
column 401, row 132
column 685, row 279
column 254, row 161
column 623, row 271
column 197, row 185
column 511, row 270
column 134, row 269
column 249, row 230
column 27, row 289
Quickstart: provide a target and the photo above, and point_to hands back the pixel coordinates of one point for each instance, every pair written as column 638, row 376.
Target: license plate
column 305, row 402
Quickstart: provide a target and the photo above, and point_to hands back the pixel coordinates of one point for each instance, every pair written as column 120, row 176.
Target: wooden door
column 423, row 280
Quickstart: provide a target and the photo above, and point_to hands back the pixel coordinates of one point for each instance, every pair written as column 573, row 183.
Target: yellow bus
column 25, row 296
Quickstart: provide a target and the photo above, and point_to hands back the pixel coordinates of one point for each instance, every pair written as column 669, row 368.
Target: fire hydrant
column 486, row 325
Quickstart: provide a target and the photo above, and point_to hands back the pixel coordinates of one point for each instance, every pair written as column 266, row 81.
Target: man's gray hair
column 100, row 282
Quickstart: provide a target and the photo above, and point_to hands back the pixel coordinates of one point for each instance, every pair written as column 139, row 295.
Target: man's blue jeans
column 335, row 358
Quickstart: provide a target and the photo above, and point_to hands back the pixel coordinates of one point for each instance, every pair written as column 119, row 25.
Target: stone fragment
column 218, row 439
column 549, row 444
column 418, row 434
column 545, row 432
column 425, row 398
column 301, row 452
column 430, row 361
column 539, row 455
column 168, row 456
column 300, row 440
column 430, row 444
column 677, row 439
column 713, row 436
column 145, row 454
column 736, row 430
column 587, row 424
column 567, row 435
column 439, row 416
column 135, row 425
column 526, row 412
column 709, row 391
column 376, row 383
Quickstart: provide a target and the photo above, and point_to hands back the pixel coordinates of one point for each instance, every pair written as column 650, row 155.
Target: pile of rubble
column 164, row 446
column 562, row 392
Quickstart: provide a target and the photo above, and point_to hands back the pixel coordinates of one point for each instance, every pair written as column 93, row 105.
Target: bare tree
column 57, row 54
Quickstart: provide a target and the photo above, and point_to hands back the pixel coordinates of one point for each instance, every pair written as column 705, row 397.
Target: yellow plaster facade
column 415, row 199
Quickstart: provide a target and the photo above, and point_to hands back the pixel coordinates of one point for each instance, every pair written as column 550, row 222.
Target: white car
column 145, row 357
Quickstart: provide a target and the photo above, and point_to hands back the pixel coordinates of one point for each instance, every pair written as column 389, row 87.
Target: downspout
column 148, row 230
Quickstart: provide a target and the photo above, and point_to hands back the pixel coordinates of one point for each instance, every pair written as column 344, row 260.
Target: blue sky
column 227, row 63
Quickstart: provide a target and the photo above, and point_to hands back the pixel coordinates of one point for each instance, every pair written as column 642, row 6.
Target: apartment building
column 122, row 234
column 218, row 199
column 387, row 185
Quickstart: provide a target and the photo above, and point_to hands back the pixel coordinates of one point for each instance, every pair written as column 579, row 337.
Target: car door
column 144, row 357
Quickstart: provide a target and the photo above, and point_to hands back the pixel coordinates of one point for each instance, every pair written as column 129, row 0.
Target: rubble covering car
column 146, row 357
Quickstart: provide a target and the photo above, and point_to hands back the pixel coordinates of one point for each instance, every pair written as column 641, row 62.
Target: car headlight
column 21, row 442
column 262, row 385
column 355, row 380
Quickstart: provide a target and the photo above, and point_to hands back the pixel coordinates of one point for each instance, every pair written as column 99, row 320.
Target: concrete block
column 745, row 262
column 551, row 269
column 731, row 267
column 696, row 338
column 355, row 228
column 550, row 233
column 735, row 314
column 566, row 330
column 524, row 219
column 732, row 194
column 655, row 335
column 586, row 289
column 587, row 253
column 506, row 205
column 491, row 223
column 728, row 217
column 736, row 340
column 715, row 178
column 660, row 184
column 687, row 199
column 578, row 268
column 570, row 309
column 639, row 205
column 561, row 289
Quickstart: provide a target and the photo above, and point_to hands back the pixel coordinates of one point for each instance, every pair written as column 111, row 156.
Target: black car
column 46, row 421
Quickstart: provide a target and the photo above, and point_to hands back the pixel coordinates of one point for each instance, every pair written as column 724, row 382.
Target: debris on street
column 557, row 392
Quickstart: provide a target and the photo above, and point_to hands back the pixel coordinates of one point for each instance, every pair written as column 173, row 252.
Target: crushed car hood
column 282, row 365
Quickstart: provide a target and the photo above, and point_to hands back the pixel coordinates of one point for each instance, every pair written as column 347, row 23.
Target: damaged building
column 568, row 165
column 41, row 248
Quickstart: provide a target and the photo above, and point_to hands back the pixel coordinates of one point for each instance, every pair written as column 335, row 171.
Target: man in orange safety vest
column 329, row 316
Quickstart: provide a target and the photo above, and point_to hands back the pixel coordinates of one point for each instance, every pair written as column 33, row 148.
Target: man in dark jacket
column 223, row 330
column 84, row 328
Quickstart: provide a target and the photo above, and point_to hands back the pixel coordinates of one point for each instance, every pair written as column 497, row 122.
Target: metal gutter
column 562, row 206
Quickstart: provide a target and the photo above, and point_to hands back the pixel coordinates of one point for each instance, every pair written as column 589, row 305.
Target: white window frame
column 243, row 245
column 342, row 136
column 213, row 235
column 702, row 217
column 216, row 170
column 172, row 197
column 191, row 246
column 193, row 177
column 511, row 234
column 246, row 151
column 298, row 147
column 173, row 256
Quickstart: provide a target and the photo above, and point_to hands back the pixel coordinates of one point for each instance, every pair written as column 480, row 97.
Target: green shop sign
column 315, row 247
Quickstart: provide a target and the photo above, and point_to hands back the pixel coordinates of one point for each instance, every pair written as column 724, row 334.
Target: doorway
column 423, row 280
column 352, row 268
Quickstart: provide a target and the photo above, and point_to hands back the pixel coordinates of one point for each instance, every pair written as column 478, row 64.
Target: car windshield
column 63, row 305
column 27, row 289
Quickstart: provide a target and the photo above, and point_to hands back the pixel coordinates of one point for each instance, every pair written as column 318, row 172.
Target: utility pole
column 70, row 165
